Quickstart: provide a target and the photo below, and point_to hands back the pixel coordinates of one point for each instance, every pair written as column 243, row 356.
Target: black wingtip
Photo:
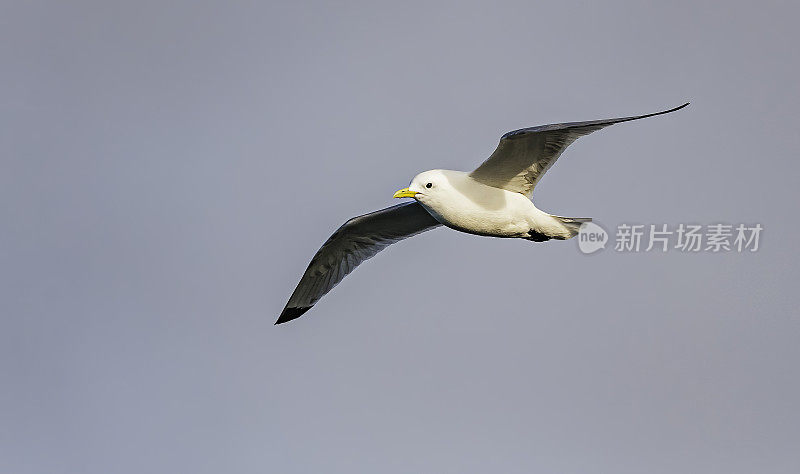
column 628, row 119
column 662, row 113
column 289, row 314
column 678, row 107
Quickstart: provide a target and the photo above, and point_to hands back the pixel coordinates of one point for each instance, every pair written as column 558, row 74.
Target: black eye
column 429, row 185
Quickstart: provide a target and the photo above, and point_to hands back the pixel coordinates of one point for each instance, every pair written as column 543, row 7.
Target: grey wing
column 524, row 155
column 357, row 240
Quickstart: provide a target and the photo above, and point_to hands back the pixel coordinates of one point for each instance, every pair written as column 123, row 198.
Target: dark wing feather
column 357, row 240
column 524, row 155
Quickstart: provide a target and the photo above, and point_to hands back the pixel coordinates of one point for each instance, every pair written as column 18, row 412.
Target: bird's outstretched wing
column 357, row 240
column 524, row 155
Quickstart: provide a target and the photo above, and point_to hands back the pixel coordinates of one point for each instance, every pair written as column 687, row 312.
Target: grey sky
column 168, row 169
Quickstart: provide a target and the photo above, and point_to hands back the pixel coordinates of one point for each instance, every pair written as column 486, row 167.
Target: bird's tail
column 571, row 224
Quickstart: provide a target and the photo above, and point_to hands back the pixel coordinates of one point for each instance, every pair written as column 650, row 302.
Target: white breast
column 469, row 206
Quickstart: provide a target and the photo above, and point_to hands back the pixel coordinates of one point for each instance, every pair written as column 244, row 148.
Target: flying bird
column 493, row 200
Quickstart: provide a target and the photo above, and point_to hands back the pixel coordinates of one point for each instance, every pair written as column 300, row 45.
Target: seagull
column 494, row 200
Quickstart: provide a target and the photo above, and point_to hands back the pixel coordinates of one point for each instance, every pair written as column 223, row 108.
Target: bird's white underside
column 462, row 203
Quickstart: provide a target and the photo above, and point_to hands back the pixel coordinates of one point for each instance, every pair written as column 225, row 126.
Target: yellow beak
column 404, row 193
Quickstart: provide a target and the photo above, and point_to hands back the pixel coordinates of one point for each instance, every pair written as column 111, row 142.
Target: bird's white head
column 426, row 186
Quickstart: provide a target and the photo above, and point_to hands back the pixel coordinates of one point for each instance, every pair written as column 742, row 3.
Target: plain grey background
column 169, row 168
